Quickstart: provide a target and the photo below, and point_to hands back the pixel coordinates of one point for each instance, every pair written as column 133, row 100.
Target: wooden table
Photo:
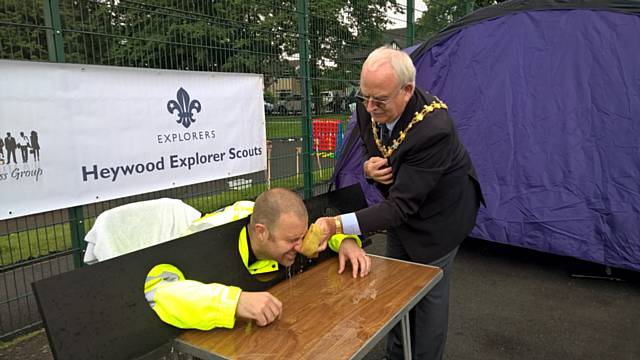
column 326, row 315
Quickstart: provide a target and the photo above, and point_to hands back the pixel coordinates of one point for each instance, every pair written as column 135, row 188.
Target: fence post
column 76, row 222
column 55, row 47
column 52, row 21
column 307, row 132
column 411, row 34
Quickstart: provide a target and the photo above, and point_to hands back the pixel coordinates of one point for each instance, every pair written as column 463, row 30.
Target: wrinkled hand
column 379, row 170
column 360, row 262
column 328, row 227
column 262, row 307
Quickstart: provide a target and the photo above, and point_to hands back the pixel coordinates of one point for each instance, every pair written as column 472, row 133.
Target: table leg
column 406, row 336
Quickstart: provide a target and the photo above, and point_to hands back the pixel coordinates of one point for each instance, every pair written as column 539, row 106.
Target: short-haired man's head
column 271, row 204
column 400, row 62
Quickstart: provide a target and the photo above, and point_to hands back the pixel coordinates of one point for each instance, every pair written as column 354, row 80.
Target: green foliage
column 269, row 97
column 441, row 13
column 22, row 32
column 341, row 33
column 259, row 36
column 172, row 34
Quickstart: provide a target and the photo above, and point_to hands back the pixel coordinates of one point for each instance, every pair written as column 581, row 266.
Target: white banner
column 76, row 134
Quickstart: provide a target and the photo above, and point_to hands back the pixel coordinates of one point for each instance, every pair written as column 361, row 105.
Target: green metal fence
column 309, row 53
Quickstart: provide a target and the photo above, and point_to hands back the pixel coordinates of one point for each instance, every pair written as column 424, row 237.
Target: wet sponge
column 311, row 241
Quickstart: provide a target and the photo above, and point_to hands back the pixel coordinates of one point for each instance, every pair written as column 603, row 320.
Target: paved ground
column 511, row 303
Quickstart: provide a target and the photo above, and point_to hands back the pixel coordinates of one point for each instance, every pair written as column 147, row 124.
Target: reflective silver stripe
column 150, row 296
column 166, row 277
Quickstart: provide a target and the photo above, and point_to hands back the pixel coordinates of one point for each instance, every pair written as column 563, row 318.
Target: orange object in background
column 325, row 133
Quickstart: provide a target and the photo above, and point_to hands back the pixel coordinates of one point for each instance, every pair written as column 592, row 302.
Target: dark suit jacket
column 431, row 205
column 10, row 143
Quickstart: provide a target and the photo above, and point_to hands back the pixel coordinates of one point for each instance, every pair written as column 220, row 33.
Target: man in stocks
column 276, row 224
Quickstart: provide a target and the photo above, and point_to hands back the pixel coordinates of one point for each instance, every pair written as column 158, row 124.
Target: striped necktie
column 384, row 134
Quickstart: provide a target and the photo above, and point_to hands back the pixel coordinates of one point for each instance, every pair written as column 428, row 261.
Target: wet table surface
column 326, row 315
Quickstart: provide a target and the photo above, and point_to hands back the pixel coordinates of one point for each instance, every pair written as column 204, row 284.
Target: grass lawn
column 291, row 126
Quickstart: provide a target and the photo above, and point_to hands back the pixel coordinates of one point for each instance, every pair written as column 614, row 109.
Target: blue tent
column 546, row 97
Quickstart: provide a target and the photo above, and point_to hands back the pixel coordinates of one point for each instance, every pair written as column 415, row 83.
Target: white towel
column 136, row 226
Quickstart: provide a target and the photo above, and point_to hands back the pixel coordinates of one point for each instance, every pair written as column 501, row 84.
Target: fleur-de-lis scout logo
column 185, row 107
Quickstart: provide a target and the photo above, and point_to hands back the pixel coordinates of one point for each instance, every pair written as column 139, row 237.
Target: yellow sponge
column 311, row 241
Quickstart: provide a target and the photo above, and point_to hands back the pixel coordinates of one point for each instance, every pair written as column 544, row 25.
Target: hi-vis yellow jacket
column 189, row 304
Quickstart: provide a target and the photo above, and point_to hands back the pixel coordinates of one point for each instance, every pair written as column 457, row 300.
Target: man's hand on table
column 349, row 249
column 262, row 307
column 360, row 262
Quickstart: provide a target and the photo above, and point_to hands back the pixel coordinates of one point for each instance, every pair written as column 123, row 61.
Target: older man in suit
column 432, row 195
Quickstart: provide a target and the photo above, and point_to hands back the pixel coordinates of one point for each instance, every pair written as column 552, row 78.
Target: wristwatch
column 338, row 224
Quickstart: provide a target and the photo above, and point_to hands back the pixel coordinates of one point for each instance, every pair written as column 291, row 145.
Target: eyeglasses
column 378, row 102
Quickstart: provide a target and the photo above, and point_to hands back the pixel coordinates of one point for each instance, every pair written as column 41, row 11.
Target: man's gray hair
column 401, row 63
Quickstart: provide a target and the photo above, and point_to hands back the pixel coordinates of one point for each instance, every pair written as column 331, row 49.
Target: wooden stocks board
column 326, row 315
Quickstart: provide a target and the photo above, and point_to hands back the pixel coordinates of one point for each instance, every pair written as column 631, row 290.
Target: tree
column 340, row 32
column 195, row 35
column 21, row 38
column 234, row 35
column 441, row 13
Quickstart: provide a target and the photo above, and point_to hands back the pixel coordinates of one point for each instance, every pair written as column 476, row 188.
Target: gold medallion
column 386, row 151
